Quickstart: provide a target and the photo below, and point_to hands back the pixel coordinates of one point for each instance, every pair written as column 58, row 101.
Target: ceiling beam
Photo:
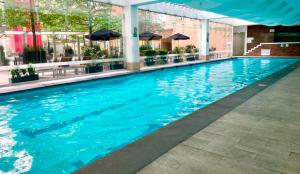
column 144, row 2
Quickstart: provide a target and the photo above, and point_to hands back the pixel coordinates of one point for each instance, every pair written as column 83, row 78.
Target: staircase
column 252, row 49
column 276, row 48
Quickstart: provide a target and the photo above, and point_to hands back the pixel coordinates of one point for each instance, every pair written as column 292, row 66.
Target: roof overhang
column 267, row 12
column 183, row 8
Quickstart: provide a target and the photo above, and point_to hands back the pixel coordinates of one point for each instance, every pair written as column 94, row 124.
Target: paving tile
column 294, row 156
column 261, row 136
column 275, row 164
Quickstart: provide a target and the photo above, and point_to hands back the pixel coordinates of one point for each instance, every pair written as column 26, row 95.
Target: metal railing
column 169, row 58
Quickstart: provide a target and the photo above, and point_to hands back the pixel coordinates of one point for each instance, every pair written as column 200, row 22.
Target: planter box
column 117, row 66
column 25, row 79
column 190, row 58
column 162, row 60
column 34, row 57
column 93, row 69
column 177, row 60
column 149, row 61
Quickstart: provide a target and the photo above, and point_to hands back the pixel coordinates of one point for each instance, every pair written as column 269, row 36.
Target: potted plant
column 92, row 52
column 162, row 59
column 31, row 55
column 93, row 68
column 144, row 48
column 117, row 65
column 114, row 52
column 190, row 49
column 150, row 55
column 23, row 75
column 180, row 51
column 69, row 52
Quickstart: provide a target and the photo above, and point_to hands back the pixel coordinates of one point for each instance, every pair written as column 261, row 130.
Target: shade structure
column 179, row 36
column 104, row 35
column 149, row 36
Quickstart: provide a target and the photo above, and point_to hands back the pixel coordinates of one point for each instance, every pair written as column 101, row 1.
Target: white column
column 131, row 37
column 205, row 39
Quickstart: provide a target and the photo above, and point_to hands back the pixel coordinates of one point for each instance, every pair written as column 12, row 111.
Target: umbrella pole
column 110, row 49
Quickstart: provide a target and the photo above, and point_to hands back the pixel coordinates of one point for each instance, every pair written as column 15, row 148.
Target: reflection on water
column 11, row 161
column 58, row 130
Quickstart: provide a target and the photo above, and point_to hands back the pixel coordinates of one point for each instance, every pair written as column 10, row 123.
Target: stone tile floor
column 260, row 136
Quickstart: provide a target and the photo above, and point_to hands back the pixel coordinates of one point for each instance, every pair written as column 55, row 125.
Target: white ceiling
column 236, row 12
column 161, row 6
column 184, row 11
column 268, row 12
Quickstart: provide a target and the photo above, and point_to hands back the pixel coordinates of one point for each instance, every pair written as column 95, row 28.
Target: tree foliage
column 62, row 15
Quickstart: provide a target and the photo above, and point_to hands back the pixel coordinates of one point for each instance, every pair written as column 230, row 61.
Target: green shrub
column 93, row 52
column 31, row 70
column 190, row 49
column 15, row 73
column 150, row 53
column 178, row 50
column 38, row 49
column 23, row 71
column 114, row 52
column 162, row 52
column 144, row 48
column 68, row 51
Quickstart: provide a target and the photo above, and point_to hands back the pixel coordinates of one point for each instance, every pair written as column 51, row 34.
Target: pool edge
column 92, row 78
column 142, row 152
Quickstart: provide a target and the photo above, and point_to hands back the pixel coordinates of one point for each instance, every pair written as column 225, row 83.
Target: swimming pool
column 63, row 128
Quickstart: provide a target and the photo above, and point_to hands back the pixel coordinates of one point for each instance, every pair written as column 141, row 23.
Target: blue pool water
column 60, row 129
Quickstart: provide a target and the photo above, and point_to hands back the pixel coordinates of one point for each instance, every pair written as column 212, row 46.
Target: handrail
column 171, row 55
column 268, row 43
column 56, row 64
column 279, row 43
column 221, row 51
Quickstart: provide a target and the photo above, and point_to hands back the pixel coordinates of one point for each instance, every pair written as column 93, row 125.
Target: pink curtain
column 29, row 37
column 17, row 39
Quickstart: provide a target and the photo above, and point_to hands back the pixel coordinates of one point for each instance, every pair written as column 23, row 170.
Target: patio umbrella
column 104, row 35
column 178, row 37
column 149, row 36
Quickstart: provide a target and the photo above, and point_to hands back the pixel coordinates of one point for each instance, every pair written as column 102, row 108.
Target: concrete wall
column 238, row 30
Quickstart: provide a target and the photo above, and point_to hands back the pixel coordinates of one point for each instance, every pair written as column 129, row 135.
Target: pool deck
column 261, row 136
column 255, row 130
column 5, row 89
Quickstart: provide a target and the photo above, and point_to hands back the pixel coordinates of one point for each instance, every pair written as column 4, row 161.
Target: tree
column 32, row 22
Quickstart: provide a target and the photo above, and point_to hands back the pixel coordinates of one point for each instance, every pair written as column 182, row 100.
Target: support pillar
column 205, row 39
column 131, row 38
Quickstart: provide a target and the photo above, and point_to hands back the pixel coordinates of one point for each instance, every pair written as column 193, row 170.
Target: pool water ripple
column 60, row 129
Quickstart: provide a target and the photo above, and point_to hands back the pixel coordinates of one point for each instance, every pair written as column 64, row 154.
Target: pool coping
column 100, row 76
column 137, row 155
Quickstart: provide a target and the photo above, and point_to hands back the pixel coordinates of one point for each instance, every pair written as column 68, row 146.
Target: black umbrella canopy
column 179, row 36
column 149, row 36
column 104, row 35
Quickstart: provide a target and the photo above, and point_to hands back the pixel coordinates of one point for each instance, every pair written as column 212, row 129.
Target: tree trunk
column 90, row 23
column 90, row 32
column 32, row 21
